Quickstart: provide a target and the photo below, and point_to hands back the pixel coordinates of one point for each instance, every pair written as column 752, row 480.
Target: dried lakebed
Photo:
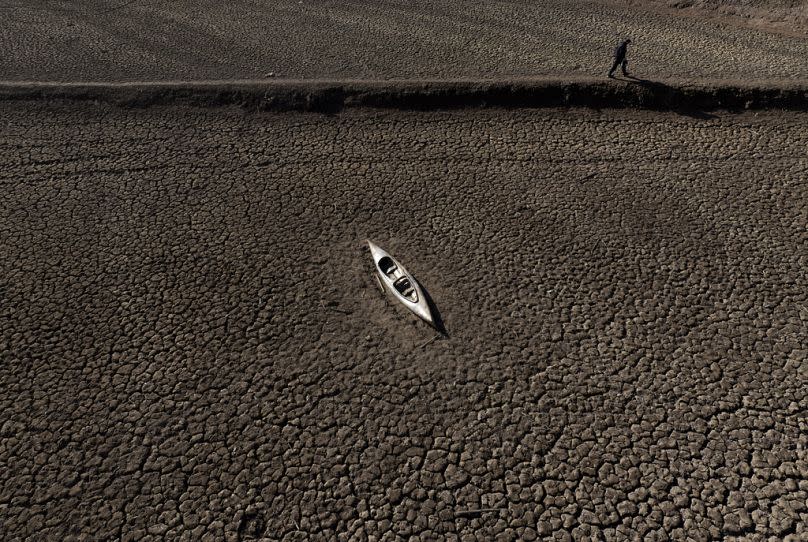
column 243, row 39
column 194, row 346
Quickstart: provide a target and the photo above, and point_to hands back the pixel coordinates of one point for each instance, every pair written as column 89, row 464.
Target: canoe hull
column 400, row 283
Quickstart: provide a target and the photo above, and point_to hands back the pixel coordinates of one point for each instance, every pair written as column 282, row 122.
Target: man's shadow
column 658, row 87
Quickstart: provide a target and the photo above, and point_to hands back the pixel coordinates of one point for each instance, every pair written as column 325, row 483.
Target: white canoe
column 400, row 283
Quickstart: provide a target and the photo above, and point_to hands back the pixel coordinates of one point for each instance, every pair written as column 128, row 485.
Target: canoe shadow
column 437, row 319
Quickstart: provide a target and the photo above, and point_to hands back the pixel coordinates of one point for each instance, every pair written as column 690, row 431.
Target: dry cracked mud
column 194, row 347
column 87, row 40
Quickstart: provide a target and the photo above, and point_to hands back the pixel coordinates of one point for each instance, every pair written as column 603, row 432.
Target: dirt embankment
column 333, row 96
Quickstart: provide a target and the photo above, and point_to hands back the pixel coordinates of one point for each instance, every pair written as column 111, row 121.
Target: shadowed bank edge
column 334, row 96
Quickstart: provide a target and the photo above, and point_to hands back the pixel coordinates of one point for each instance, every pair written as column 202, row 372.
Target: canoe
column 400, row 283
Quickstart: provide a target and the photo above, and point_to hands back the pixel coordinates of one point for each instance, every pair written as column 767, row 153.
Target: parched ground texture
column 93, row 40
column 194, row 347
column 783, row 15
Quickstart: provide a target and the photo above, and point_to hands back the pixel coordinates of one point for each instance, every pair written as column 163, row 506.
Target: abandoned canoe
column 400, row 283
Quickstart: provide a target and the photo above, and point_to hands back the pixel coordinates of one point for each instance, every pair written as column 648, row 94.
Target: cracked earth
column 194, row 347
column 88, row 40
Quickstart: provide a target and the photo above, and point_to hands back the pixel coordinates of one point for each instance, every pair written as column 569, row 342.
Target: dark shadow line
column 116, row 8
column 657, row 86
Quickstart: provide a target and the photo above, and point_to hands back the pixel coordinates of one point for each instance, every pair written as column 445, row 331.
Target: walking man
column 620, row 58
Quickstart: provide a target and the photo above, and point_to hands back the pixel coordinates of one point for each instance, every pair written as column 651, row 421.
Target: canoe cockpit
column 388, row 267
column 404, row 287
column 402, row 284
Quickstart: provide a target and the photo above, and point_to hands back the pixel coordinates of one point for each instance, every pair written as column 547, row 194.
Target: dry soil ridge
column 425, row 94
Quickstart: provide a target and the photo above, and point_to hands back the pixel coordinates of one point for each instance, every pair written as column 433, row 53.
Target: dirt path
column 331, row 96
